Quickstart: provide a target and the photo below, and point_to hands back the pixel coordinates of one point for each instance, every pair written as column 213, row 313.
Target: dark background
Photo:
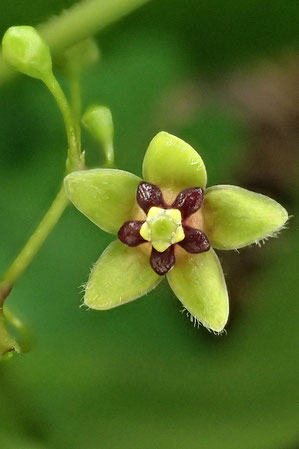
column 224, row 77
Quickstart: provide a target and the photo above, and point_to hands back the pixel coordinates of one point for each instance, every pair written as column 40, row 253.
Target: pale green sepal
column 198, row 282
column 106, row 196
column 170, row 162
column 235, row 217
column 27, row 52
column 122, row 274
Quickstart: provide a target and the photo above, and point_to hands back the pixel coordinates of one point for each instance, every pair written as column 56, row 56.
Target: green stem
column 58, row 94
column 72, row 127
column 109, row 153
column 76, row 105
column 36, row 240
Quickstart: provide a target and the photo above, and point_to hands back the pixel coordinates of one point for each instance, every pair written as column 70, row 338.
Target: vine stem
column 109, row 152
column 34, row 243
column 59, row 204
column 74, row 82
column 68, row 117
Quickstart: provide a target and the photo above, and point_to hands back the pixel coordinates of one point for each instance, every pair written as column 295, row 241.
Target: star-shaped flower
column 167, row 225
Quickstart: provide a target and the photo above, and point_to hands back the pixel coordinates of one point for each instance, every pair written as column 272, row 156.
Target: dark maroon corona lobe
column 129, row 233
column 161, row 263
column 195, row 241
column 188, row 201
column 149, row 195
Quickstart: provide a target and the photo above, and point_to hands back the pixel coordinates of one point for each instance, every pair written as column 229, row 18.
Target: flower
column 168, row 225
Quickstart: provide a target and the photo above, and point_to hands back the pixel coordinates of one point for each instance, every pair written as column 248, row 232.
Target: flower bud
column 98, row 122
column 26, row 51
column 8, row 344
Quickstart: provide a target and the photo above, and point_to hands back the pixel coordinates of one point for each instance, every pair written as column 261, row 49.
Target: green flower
column 167, row 225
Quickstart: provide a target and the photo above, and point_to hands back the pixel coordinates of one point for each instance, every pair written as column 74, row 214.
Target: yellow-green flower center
column 163, row 228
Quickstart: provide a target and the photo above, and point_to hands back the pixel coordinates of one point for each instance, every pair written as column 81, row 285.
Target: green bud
column 97, row 120
column 80, row 56
column 26, row 51
column 8, row 344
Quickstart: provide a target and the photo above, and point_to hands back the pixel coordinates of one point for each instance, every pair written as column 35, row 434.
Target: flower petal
column 235, row 217
column 162, row 262
column 188, row 201
column 149, row 195
column 129, row 233
column 198, row 282
column 121, row 274
column 105, row 196
column 171, row 163
column 195, row 241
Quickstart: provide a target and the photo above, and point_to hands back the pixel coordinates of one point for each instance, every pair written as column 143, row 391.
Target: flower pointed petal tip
column 198, row 282
column 105, row 196
column 235, row 217
column 121, row 275
column 172, row 163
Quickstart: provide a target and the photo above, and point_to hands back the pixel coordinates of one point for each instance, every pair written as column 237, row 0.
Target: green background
column 140, row 376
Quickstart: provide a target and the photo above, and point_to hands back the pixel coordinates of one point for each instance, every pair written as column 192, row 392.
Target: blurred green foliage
column 141, row 376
